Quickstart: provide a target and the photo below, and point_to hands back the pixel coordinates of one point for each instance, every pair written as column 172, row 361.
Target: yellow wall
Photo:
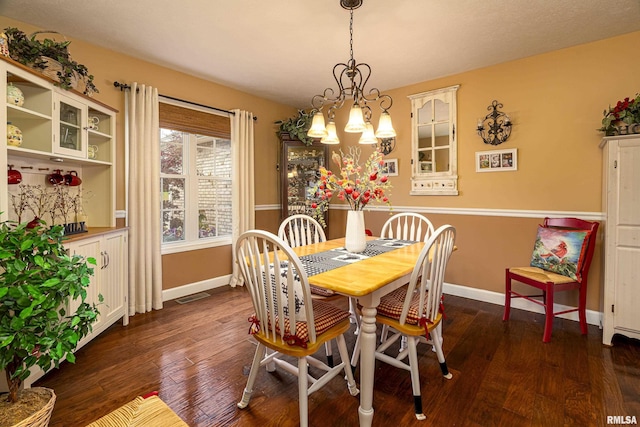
column 108, row 66
column 555, row 101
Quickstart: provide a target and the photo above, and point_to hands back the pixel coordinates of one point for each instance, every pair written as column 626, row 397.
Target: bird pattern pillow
column 560, row 251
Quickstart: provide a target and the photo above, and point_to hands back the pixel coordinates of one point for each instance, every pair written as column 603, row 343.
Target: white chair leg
column 437, row 343
column 329, row 351
column 255, row 366
column 415, row 377
column 403, row 344
column 384, row 333
column 356, row 354
column 353, row 315
column 344, row 356
column 439, row 327
column 303, row 392
column 270, row 366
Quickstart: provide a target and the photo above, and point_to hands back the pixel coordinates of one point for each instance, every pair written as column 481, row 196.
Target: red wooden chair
column 551, row 282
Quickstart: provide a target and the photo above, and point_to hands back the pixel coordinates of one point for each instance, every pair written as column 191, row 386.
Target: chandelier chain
column 351, row 35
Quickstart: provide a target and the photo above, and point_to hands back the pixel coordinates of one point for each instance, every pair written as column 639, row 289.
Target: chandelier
column 351, row 79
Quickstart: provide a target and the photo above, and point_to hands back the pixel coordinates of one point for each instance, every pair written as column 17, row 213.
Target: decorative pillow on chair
column 560, row 251
column 297, row 288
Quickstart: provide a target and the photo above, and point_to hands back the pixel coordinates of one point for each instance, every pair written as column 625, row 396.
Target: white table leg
column 367, row 365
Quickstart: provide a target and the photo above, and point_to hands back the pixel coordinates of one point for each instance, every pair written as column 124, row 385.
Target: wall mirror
column 434, row 143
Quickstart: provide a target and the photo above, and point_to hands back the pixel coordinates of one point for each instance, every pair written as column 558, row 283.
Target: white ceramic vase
column 355, row 237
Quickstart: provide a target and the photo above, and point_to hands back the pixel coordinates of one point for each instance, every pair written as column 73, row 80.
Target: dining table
column 367, row 278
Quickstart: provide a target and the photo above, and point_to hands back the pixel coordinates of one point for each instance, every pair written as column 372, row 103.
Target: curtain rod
column 124, row 86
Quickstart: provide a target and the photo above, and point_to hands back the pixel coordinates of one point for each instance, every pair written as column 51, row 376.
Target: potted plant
column 38, row 280
column 47, row 55
column 297, row 126
column 623, row 118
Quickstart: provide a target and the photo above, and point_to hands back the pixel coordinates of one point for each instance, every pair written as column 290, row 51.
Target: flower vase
column 355, row 236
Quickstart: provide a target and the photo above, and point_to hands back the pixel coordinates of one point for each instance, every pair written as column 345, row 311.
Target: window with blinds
column 195, row 177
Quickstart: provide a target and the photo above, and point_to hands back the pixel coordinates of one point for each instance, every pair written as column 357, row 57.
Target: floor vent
column 191, row 298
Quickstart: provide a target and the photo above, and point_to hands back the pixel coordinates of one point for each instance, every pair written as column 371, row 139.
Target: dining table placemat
column 339, row 257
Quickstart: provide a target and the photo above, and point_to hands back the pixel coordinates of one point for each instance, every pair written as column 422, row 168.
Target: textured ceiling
column 285, row 50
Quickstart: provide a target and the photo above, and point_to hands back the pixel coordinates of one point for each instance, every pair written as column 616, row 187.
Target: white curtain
column 143, row 211
column 244, row 190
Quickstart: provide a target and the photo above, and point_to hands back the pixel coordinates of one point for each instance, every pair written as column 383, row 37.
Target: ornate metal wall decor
column 387, row 145
column 495, row 128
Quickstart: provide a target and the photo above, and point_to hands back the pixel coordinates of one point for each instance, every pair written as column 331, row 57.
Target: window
column 434, row 145
column 195, row 179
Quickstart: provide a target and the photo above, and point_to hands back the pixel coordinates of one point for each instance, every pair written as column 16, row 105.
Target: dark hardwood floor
column 197, row 356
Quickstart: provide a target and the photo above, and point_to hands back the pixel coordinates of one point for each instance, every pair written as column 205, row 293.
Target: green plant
column 297, row 126
column 626, row 111
column 33, row 53
column 38, row 280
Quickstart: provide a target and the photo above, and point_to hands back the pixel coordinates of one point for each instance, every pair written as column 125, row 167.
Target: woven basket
column 53, row 67
column 40, row 418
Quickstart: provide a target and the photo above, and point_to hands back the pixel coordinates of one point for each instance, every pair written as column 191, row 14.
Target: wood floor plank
column 197, row 357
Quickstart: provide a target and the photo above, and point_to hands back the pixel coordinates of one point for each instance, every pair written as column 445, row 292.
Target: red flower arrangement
column 356, row 185
column 626, row 112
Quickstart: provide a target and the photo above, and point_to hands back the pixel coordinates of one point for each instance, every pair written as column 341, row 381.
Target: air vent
column 191, row 298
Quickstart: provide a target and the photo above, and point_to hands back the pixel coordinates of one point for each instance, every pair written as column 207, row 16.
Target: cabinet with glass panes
column 299, row 166
column 57, row 131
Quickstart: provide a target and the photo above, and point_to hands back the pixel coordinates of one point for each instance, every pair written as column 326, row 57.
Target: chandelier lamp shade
column 351, row 79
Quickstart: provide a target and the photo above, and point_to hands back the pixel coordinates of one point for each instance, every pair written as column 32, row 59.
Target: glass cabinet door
column 299, row 173
column 71, row 128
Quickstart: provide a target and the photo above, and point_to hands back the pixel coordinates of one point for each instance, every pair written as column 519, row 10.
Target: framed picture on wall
column 497, row 160
column 390, row 167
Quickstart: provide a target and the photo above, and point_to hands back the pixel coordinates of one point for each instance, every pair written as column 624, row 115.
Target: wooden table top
column 363, row 277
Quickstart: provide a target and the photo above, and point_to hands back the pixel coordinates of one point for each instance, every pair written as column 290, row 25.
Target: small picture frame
column 390, row 167
column 497, row 160
column 426, row 167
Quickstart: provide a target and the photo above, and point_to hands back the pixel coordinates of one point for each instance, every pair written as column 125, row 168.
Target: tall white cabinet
column 621, row 192
column 64, row 130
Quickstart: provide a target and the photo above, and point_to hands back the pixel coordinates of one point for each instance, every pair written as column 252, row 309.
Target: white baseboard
column 593, row 317
column 194, row 288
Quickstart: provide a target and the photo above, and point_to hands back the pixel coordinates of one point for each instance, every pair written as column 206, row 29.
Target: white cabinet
column 621, row 192
column 110, row 279
column 67, row 131
column 61, row 130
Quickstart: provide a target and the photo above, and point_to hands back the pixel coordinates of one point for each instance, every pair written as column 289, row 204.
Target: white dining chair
column 301, row 230
column 414, row 312
column 287, row 321
column 405, row 226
